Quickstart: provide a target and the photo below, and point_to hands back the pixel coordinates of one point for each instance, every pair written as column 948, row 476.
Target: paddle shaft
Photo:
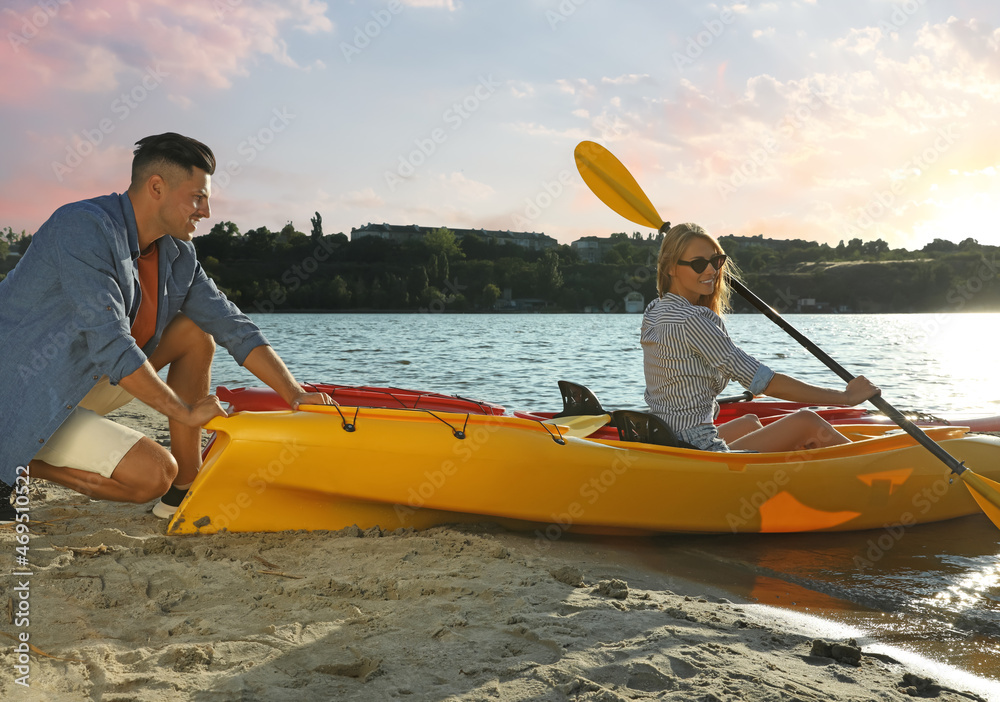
column 894, row 414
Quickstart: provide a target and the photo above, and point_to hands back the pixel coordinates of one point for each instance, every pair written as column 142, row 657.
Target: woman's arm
column 785, row 387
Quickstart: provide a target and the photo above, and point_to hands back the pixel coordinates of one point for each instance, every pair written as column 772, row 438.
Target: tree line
column 264, row 271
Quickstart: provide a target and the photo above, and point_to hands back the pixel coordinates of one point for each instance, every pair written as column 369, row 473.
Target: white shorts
column 87, row 440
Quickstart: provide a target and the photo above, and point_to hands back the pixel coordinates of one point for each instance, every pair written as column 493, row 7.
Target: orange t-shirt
column 149, row 277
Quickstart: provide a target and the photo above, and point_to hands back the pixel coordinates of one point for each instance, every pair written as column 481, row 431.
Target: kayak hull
column 276, row 471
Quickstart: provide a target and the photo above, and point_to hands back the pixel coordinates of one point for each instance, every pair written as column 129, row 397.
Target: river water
column 934, row 592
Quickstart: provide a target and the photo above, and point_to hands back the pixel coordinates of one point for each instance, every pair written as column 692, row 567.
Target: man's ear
column 156, row 187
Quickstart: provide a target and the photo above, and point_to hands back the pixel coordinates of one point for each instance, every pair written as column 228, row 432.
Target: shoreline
column 473, row 612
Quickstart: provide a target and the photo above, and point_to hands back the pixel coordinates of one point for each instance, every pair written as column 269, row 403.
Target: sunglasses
column 700, row 264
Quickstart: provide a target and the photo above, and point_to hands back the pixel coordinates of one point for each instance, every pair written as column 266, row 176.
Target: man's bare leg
column 189, row 352
column 143, row 474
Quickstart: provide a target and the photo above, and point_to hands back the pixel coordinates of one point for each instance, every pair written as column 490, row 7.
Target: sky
column 823, row 120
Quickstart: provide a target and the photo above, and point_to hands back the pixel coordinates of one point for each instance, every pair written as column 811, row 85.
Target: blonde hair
column 675, row 241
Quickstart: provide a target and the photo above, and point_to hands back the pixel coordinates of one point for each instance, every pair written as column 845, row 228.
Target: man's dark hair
column 153, row 152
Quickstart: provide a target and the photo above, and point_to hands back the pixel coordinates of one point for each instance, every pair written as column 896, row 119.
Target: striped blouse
column 688, row 359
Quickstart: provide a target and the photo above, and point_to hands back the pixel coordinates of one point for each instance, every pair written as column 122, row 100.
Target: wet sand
column 119, row 611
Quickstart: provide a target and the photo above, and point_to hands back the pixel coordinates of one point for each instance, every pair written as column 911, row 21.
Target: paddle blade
column 579, row 426
column 986, row 492
column 611, row 182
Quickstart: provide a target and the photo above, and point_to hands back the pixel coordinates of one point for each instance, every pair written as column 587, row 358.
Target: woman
column 689, row 359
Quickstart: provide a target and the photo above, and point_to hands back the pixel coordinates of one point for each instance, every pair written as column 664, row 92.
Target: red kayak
column 265, row 399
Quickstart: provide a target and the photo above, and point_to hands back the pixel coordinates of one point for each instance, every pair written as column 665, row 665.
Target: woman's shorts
column 705, row 437
column 87, row 440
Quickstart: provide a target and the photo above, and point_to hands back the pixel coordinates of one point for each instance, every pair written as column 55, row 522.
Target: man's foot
column 168, row 504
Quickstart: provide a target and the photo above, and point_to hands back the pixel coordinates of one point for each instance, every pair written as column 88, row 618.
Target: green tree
column 416, row 282
column 444, row 270
column 491, row 293
column 261, row 242
column 442, row 241
column 874, row 248
column 317, row 227
column 549, row 277
column 219, row 243
column 940, row 246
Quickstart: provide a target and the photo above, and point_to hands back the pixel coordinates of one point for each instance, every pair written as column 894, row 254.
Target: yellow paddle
column 616, row 188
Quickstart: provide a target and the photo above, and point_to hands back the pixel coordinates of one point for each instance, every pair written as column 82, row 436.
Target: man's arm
column 145, row 385
column 264, row 363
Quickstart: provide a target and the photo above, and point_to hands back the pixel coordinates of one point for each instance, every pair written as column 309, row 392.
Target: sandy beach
column 117, row 611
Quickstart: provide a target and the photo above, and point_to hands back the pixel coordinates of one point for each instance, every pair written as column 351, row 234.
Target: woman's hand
column 859, row 390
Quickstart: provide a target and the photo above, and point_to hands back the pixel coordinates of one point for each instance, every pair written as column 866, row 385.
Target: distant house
column 634, row 302
column 591, row 249
column 404, row 232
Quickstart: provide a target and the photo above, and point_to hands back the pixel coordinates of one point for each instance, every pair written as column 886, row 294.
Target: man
column 109, row 292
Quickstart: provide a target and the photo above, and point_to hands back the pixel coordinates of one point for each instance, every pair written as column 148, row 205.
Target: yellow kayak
column 329, row 468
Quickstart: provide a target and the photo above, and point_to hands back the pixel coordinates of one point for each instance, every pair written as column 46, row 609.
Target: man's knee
column 148, row 469
column 194, row 338
column 203, row 344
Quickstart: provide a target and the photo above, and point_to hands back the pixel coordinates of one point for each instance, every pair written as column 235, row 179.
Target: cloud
column 95, row 48
column 360, row 198
column 449, row 5
column 629, row 79
column 860, row 41
column 458, row 184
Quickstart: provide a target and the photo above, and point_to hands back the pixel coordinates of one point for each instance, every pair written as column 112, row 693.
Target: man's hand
column 311, row 398
column 204, row 410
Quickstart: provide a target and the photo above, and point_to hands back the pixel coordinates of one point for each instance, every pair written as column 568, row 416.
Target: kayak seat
column 646, row 428
column 578, row 400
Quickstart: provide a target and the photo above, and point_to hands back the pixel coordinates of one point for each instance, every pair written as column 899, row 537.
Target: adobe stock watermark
column 259, row 482
column 609, row 127
column 252, row 146
column 422, row 493
column 296, row 275
column 963, row 293
column 759, row 157
column 590, row 493
column 365, row 34
column 697, row 43
column 958, row 296
column 31, row 24
column 548, row 193
column 882, row 202
column 629, row 284
column 565, row 10
column 894, row 532
column 58, row 341
column 901, row 14
column 121, row 107
column 453, row 117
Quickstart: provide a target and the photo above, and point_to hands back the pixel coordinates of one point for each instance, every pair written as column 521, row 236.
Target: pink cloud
column 102, row 46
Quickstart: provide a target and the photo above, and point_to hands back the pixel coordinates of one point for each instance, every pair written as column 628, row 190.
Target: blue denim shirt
column 66, row 312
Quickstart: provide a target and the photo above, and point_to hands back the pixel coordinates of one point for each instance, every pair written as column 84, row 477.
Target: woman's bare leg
column 739, row 427
column 802, row 430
